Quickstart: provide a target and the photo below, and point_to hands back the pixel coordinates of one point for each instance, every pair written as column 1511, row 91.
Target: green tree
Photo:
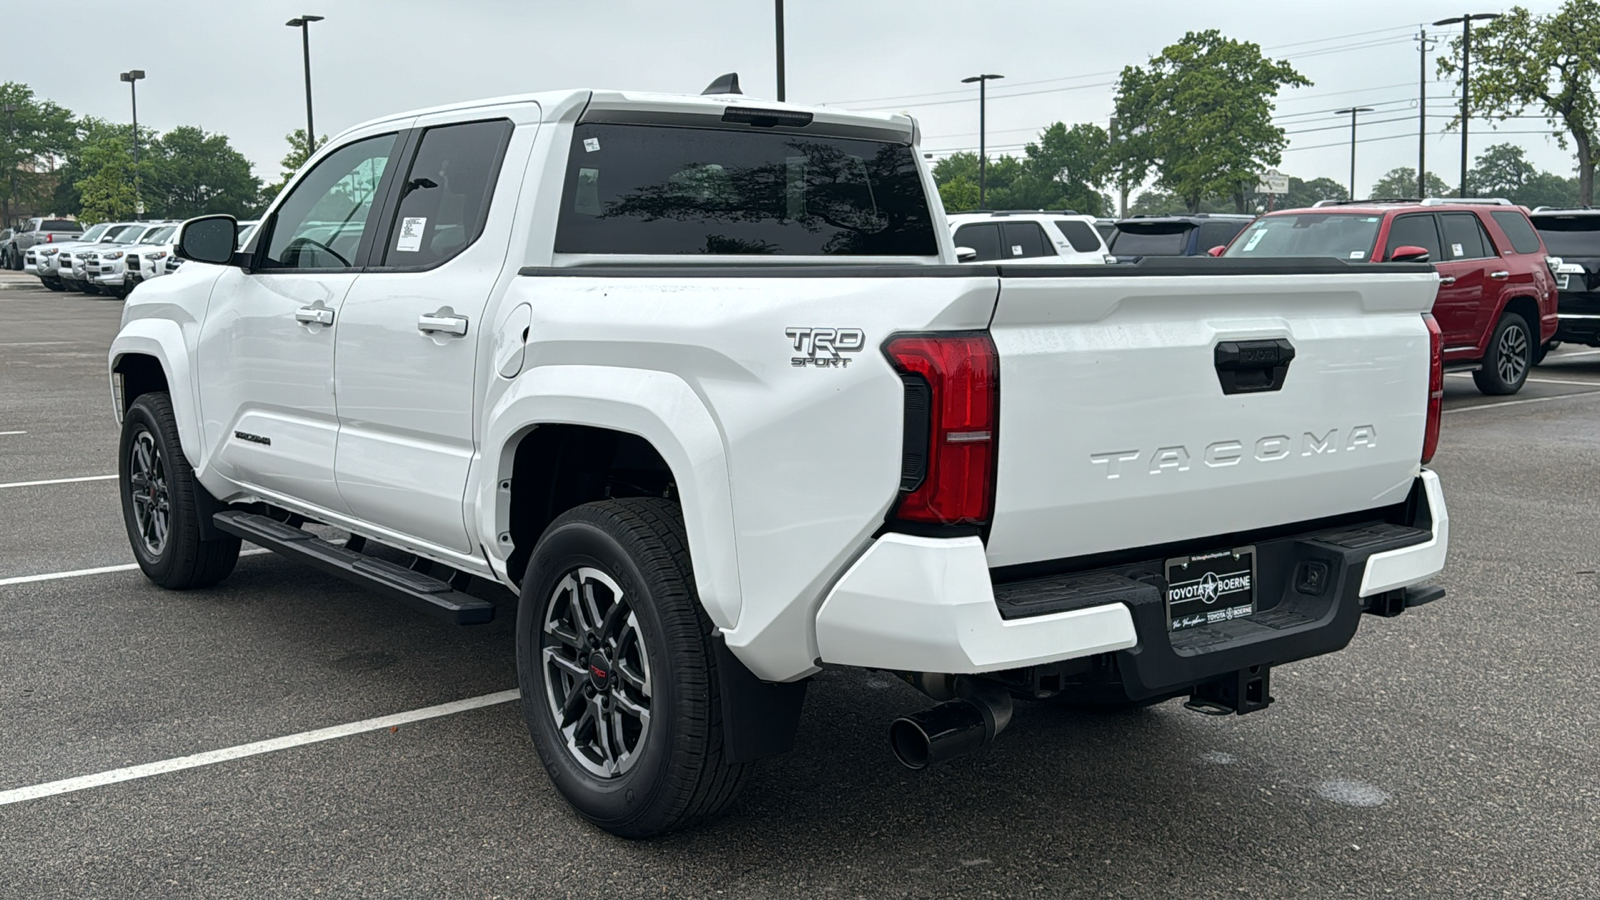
column 106, row 189
column 188, row 173
column 297, row 156
column 1402, row 182
column 32, row 138
column 1306, row 193
column 1521, row 61
column 1064, row 169
column 1503, row 170
column 1203, row 113
column 1155, row 203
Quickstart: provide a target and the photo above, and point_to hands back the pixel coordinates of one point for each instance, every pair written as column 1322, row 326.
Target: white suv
column 1038, row 236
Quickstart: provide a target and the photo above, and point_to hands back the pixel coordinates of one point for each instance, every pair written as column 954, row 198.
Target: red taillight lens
column 962, row 375
column 1430, row 437
column 49, row 239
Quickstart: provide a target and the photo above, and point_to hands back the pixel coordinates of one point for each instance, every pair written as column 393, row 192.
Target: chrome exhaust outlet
column 981, row 710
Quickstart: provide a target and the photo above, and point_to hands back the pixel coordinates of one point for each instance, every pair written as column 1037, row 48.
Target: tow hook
column 1245, row 691
column 980, row 711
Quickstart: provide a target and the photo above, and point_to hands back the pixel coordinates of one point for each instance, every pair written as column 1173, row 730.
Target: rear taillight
column 952, row 414
column 1430, row 435
column 49, row 239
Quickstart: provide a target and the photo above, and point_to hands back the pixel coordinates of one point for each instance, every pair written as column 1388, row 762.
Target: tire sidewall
column 615, row 802
column 141, row 416
column 1491, row 382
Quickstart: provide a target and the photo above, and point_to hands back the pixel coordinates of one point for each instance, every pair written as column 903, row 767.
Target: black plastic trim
column 759, row 718
column 1150, row 266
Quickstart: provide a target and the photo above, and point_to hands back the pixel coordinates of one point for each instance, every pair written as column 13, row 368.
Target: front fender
column 657, row 406
column 162, row 339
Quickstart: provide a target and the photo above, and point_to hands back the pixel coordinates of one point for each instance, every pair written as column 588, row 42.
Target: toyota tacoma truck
column 700, row 381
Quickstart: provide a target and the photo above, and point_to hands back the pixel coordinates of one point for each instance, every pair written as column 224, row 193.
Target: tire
column 53, row 285
column 1510, row 356
column 630, row 555
column 160, row 502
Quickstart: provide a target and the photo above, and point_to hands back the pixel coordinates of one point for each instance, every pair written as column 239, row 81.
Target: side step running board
column 421, row 592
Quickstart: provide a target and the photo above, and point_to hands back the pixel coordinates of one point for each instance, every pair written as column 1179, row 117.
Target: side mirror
column 1217, row 251
column 966, row 255
column 208, row 239
column 1408, row 253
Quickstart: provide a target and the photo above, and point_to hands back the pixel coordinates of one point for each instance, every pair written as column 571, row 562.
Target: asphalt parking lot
column 1450, row 752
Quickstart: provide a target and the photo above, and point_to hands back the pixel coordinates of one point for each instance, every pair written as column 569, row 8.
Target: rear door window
column 1518, row 230
column 444, row 199
column 642, row 189
column 983, row 238
column 1024, row 240
column 1415, row 231
column 1082, row 238
column 1463, row 237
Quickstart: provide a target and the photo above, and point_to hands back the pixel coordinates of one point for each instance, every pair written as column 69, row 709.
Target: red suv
column 1497, row 293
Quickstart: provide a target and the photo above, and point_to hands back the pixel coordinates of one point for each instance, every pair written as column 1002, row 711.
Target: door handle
column 435, row 323
column 314, row 315
column 1447, row 279
column 1501, row 275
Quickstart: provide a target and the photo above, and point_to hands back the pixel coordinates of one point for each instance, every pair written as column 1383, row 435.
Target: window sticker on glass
column 1455, row 249
column 1016, row 249
column 1358, row 254
column 590, row 145
column 1255, row 239
column 411, row 228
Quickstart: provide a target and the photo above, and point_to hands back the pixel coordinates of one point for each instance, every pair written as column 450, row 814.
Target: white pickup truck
column 699, row 378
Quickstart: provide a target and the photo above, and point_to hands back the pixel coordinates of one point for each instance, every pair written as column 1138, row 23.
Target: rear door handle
column 437, row 323
column 1501, row 275
column 1447, row 279
column 314, row 315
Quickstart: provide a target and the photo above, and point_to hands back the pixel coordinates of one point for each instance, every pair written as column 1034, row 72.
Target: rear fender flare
column 657, row 406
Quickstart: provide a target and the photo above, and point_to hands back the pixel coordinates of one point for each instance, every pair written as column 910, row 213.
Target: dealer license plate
column 1211, row 587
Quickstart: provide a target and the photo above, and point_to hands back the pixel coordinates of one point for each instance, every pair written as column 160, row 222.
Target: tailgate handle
column 1247, row 367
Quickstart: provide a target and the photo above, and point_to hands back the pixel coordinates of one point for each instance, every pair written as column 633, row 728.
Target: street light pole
column 304, row 24
column 1351, row 112
column 1424, row 44
column 779, row 14
column 1466, row 79
column 132, row 77
column 983, row 156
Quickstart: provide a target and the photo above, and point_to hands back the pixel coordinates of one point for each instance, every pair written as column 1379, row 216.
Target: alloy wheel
column 596, row 672
column 147, row 485
column 1511, row 356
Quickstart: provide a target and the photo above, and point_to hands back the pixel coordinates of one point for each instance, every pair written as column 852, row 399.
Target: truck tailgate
column 1116, row 432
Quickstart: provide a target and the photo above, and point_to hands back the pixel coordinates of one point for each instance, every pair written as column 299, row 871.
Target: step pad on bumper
column 421, row 592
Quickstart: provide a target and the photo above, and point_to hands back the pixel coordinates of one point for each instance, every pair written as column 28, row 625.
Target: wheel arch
column 1526, row 306
column 150, row 355
column 555, row 439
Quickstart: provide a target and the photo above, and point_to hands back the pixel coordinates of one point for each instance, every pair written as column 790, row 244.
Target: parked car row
column 111, row 258
column 35, row 232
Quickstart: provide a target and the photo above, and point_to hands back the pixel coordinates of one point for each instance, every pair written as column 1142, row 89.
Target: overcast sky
column 233, row 67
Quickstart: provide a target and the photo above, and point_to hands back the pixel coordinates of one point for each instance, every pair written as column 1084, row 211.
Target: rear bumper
column 1579, row 328
column 929, row 605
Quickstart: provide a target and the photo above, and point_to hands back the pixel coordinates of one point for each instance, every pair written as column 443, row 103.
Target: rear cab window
column 668, row 190
column 59, row 225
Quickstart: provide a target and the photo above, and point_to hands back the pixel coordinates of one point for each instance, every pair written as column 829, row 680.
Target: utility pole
column 1424, row 44
column 304, row 24
column 132, row 78
column 983, row 156
column 1466, row 78
column 1351, row 112
column 780, row 49
column 11, row 163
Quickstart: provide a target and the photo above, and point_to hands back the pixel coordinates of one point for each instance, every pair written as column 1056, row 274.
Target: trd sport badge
column 821, row 347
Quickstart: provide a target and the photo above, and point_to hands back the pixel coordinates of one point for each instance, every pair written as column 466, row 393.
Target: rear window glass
column 1570, row 235
column 639, row 189
column 1151, row 240
column 1082, row 238
column 1523, row 238
column 1218, row 234
column 1347, row 236
column 59, row 225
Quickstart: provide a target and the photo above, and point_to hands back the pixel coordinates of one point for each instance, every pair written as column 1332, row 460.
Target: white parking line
column 1593, row 384
column 12, row 432
column 17, row 484
column 101, row 570
column 1519, row 402
column 211, row 757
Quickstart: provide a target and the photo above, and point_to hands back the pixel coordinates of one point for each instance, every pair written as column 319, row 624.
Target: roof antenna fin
column 726, row 84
